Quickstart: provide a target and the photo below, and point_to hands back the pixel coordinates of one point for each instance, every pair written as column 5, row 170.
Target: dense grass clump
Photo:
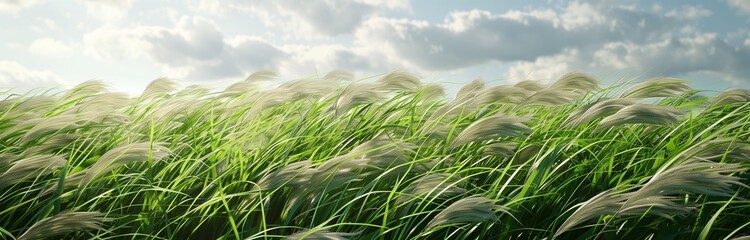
column 392, row 158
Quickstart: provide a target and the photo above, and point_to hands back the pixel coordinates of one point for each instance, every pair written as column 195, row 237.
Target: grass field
column 388, row 158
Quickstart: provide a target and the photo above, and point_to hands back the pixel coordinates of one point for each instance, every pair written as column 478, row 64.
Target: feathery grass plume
column 7, row 158
column 714, row 150
column 265, row 100
column 596, row 110
column 168, row 109
column 400, row 81
column 469, row 90
column 434, row 129
column 134, row 152
column 104, row 102
column 369, row 159
column 30, row 167
column 474, row 209
column 604, row 203
column 432, row 92
column 658, row 87
column 657, row 196
column 52, row 124
column 502, row 94
column 20, row 127
column 693, row 176
column 249, row 84
column 295, row 175
column 382, row 153
column 580, row 83
column 69, row 122
column 492, row 127
column 641, row 113
column 193, row 91
column 501, row 149
column 339, row 76
column 239, row 88
column 356, row 94
column 433, row 185
column 64, row 223
column 460, row 103
column 306, row 88
column 159, row 88
column 529, row 85
column 730, row 96
column 52, row 143
column 19, row 105
column 377, row 154
column 262, row 75
column 320, row 234
column 550, row 97
column 84, row 89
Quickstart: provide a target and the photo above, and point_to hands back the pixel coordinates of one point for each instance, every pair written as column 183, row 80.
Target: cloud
column 535, row 43
column 689, row 12
column 672, row 56
column 207, row 6
column 21, row 79
column 701, row 52
column 194, row 49
column 49, row 47
column 304, row 60
column 49, row 23
column 545, row 43
column 326, row 18
column 121, row 43
column 106, row 10
column 15, row 6
column 742, row 6
column 474, row 37
column 547, row 68
column 192, row 39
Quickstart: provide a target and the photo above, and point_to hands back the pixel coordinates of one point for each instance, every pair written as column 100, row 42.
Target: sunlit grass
column 390, row 158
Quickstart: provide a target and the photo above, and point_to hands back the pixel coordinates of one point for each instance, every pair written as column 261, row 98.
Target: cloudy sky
column 130, row 42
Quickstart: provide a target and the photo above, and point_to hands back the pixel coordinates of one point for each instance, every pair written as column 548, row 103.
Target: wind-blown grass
column 384, row 158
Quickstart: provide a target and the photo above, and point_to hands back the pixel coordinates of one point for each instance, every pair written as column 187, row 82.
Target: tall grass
column 386, row 158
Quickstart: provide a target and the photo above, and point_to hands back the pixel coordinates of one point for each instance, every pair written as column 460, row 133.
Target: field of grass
column 386, row 158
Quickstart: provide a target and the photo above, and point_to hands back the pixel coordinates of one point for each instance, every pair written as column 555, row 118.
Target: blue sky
column 128, row 43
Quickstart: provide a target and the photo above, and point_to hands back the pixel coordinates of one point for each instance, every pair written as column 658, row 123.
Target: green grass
column 391, row 158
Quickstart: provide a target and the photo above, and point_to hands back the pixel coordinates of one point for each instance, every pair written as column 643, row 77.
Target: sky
column 128, row 43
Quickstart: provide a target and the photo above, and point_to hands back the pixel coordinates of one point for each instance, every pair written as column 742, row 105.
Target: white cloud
column 49, row 23
column 194, row 49
column 12, row 45
column 689, row 12
column 50, row 48
column 107, row 10
column 536, row 43
column 113, row 44
column 701, row 52
column 672, row 56
column 16, row 76
column 476, row 37
column 207, row 6
column 15, row 6
column 546, row 68
column 305, row 60
column 545, row 43
column 307, row 19
column 578, row 15
column 742, row 6
column 390, row 4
